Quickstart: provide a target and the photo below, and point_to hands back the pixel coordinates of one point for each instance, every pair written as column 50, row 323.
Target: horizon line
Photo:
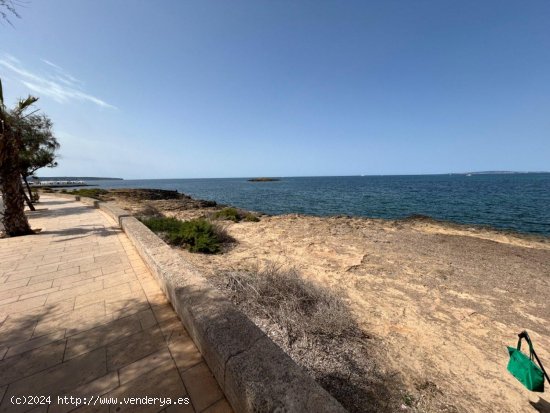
column 496, row 172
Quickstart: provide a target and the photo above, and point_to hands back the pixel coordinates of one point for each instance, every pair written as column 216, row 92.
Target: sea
column 516, row 202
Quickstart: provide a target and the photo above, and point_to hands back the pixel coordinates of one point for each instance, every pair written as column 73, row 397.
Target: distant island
column 498, row 173
column 263, row 179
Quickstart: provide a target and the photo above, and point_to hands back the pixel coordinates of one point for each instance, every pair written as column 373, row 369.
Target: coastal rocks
column 157, row 202
column 147, row 194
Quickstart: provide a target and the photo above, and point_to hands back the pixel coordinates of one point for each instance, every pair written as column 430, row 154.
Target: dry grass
column 299, row 307
column 147, row 210
column 315, row 327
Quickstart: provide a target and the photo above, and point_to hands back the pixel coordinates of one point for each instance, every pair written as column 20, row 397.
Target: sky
column 199, row 89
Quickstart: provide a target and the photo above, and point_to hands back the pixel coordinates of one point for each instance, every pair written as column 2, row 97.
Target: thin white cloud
column 51, row 64
column 61, row 75
column 60, row 86
column 12, row 58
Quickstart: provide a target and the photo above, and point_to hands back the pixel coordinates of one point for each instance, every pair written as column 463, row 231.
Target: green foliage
column 39, row 146
column 251, row 218
column 197, row 235
column 229, row 214
column 161, row 224
column 25, row 103
column 13, row 217
column 408, row 400
column 235, row 215
column 89, row 192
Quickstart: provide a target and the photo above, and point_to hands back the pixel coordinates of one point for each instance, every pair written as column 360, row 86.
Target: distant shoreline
column 260, row 179
column 77, row 178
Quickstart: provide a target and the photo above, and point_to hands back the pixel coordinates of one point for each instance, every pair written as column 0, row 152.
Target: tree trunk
column 14, row 219
column 28, row 199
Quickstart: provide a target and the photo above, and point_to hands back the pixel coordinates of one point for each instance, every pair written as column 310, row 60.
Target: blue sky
column 181, row 89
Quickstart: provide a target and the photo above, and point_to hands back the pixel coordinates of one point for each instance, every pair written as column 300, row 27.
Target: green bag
column 523, row 368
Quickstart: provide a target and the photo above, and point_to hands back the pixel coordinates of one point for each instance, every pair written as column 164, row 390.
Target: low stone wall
column 254, row 373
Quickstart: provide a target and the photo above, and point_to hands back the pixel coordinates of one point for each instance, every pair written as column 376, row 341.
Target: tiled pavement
column 82, row 316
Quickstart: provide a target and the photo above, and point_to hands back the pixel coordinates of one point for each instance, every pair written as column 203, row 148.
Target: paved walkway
column 82, row 316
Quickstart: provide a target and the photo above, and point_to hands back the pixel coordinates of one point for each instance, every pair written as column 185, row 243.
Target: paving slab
column 82, row 316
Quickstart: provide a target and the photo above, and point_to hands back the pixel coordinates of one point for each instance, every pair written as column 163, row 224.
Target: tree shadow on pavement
column 57, row 350
column 81, row 231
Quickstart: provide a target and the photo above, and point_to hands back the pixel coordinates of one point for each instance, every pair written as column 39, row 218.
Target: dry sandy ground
column 440, row 302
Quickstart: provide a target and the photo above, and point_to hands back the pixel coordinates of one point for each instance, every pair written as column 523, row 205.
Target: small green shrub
column 235, row 215
column 408, row 400
column 197, row 235
column 251, row 218
column 229, row 214
column 161, row 224
column 89, row 192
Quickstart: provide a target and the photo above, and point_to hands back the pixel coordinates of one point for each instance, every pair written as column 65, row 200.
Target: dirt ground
column 440, row 302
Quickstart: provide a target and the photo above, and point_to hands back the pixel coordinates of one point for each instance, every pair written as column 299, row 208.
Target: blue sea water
column 519, row 202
